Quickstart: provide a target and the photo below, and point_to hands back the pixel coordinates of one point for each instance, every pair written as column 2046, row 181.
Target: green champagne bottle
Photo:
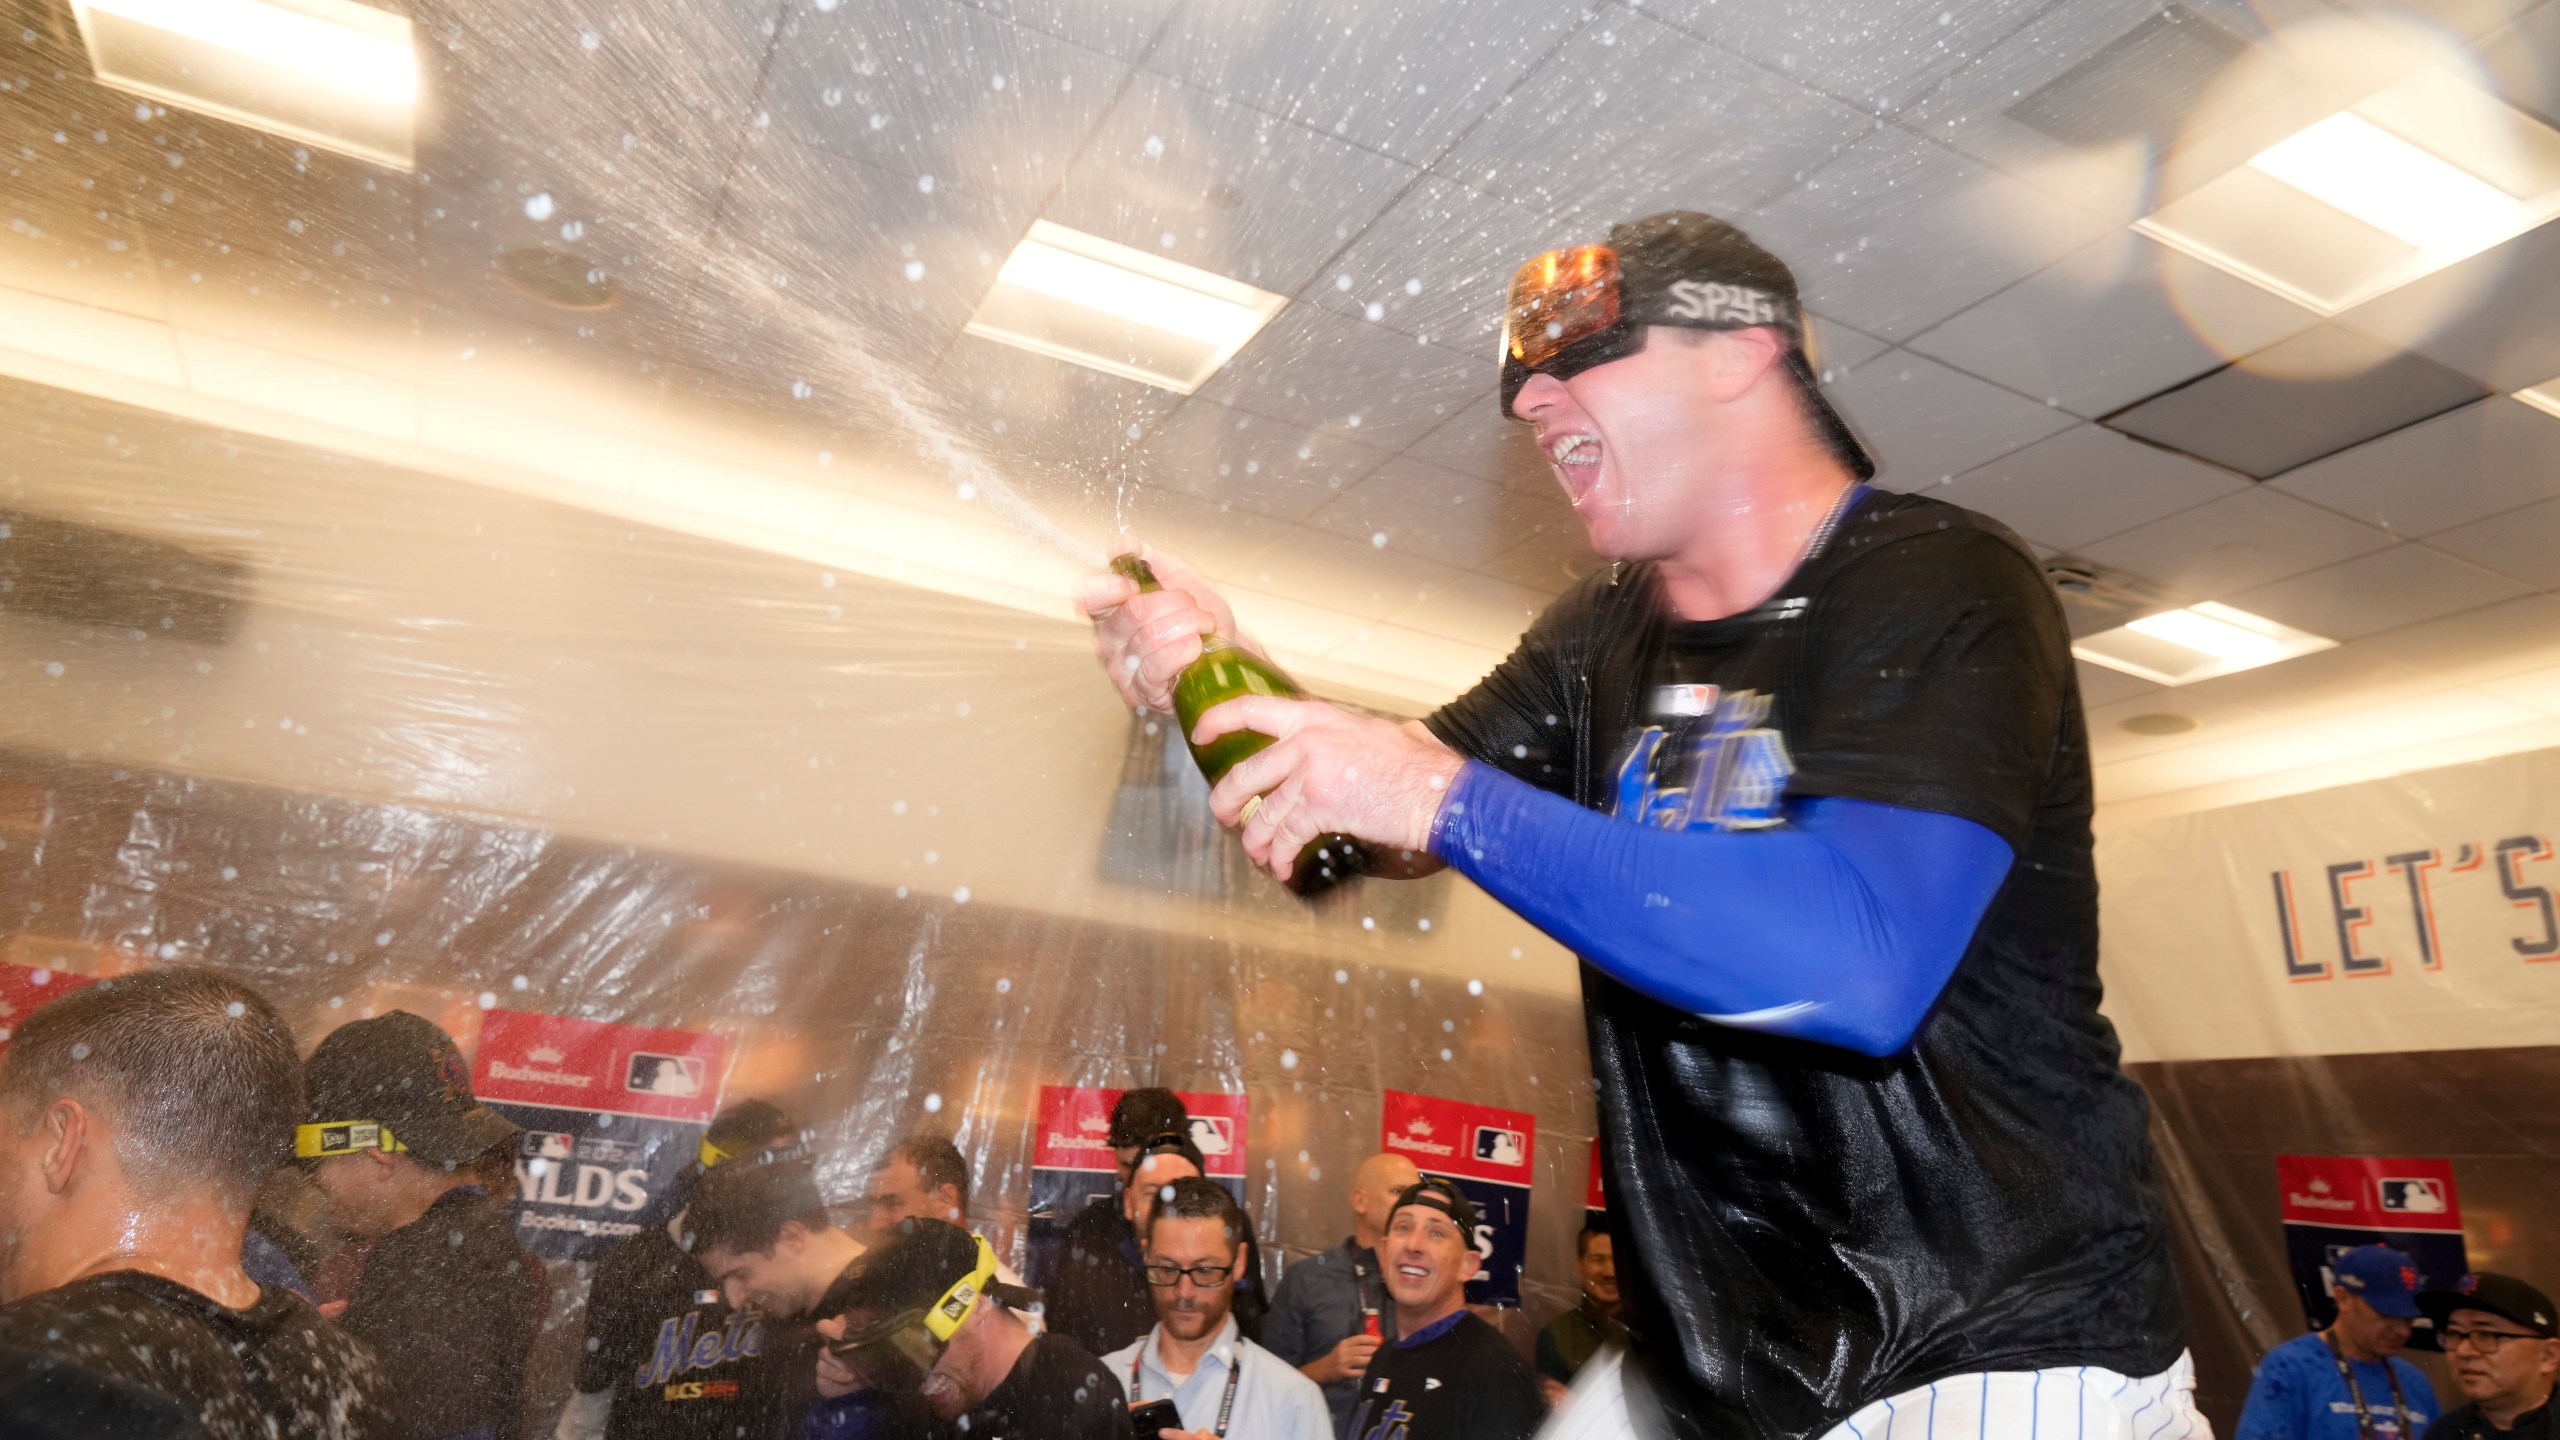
column 1224, row 671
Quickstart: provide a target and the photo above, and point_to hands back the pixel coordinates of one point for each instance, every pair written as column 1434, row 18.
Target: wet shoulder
column 1891, row 520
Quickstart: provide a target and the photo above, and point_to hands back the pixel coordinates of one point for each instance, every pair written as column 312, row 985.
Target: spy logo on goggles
column 1721, row 304
column 342, row 1137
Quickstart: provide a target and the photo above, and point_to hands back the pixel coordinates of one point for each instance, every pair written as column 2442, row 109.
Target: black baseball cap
column 1435, row 1192
column 1570, row 310
column 395, row 1082
column 2499, row 1295
column 1141, row 1115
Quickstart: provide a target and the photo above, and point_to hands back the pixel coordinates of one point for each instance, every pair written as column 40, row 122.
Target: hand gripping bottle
column 1224, row 671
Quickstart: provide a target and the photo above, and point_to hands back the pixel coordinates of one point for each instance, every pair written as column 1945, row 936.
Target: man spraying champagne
column 1802, row 777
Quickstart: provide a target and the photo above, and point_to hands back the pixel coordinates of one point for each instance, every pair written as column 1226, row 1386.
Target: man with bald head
column 1331, row 1313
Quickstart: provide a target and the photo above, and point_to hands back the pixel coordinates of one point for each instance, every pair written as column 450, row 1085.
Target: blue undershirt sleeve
column 1840, row 927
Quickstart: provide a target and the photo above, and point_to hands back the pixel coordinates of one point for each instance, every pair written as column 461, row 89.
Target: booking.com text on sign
column 1492, row 1155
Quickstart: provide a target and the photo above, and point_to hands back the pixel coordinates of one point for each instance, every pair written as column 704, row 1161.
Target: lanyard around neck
column 1226, row 1405
column 2355, row 1392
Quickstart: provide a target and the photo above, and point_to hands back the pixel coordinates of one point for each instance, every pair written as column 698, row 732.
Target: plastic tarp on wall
column 437, row 747
column 2372, row 970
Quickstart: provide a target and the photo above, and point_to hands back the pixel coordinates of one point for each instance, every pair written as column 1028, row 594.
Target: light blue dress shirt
column 1273, row 1401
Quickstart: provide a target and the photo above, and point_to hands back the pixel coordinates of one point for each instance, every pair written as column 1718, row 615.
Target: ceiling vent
column 2138, row 87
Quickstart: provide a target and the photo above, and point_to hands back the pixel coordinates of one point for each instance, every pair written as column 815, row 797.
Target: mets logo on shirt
column 1729, row 773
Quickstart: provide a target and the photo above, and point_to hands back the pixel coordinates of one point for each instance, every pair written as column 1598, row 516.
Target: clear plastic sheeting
column 455, row 751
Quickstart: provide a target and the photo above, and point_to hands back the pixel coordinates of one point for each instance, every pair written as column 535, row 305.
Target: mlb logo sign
column 677, row 1075
column 1498, row 1146
column 1214, row 1134
column 549, row 1145
column 2411, row 1195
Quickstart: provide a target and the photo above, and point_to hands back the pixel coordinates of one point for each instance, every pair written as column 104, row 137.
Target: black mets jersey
column 1802, row 1230
column 1455, row 1380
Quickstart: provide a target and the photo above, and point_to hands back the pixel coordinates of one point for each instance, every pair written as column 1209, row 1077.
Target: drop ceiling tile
column 1480, row 441
column 1841, row 349
column 1439, row 514
column 810, row 267
column 1403, row 78
column 1436, row 265
column 2534, row 689
column 1351, row 576
column 2354, row 674
column 2086, row 484
column 1925, row 423
column 1235, row 457
column 1898, row 234
column 1632, row 116
column 2523, row 544
column 2110, row 741
column 1347, row 377
column 2101, row 686
column 2121, row 319
column 1239, row 192
column 2117, row 74
column 941, row 91
column 2223, row 546
column 1211, row 537
column 1881, row 55
column 2494, row 317
column 2518, row 59
column 2321, row 392
column 2383, row 590
column 1046, row 423
column 1475, row 609
column 2477, row 646
column 2477, row 461
column 1118, row 27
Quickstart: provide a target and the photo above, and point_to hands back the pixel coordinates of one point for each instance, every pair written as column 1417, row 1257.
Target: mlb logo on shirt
column 1684, row 701
column 2412, row 1196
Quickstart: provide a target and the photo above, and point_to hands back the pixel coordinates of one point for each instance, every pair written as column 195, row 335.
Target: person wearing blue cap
column 2348, row 1382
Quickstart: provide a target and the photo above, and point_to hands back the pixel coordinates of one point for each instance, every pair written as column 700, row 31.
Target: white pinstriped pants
column 2074, row 1403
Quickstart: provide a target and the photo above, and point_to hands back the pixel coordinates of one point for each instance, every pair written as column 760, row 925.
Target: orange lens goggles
column 1559, row 298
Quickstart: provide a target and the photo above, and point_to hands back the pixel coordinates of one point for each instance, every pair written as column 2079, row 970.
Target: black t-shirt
column 2466, row 1422
column 1804, row 1230
column 681, row 1364
column 1055, row 1391
column 233, row 1372
column 450, row 1303
column 1457, row 1380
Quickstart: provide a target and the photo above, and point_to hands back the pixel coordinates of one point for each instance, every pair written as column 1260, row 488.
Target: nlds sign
column 610, row 1114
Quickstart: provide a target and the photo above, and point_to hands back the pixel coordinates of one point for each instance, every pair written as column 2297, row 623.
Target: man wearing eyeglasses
column 1803, row 777
column 2503, row 1346
column 1220, row 1383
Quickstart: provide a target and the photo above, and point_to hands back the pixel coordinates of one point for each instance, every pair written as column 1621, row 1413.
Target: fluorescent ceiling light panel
column 1080, row 298
column 333, row 74
column 2544, row 397
column 2199, row 642
column 2412, row 179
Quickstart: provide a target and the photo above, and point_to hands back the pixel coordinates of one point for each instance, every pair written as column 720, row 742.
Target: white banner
column 2414, row 913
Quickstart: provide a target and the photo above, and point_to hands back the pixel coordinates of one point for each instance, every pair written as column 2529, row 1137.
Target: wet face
column 2497, row 1361
column 1189, row 1309
column 361, row 1192
column 2368, row 1329
column 1426, row 1258
column 767, row 1281
column 1633, row 442
column 898, row 1193
column 1147, row 1182
column 1599, row 1269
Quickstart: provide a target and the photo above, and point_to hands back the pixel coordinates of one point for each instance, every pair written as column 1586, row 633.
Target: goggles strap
column 343, row 1137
